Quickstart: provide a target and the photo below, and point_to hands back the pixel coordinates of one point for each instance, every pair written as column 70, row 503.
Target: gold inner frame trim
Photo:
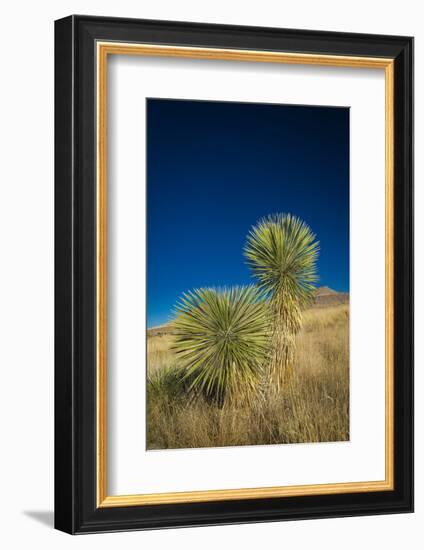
column 104, row 49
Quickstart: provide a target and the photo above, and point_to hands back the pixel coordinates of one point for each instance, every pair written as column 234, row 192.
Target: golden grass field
column 314, row 407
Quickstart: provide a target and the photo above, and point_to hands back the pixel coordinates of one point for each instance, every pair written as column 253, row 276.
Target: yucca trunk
column 286, row 325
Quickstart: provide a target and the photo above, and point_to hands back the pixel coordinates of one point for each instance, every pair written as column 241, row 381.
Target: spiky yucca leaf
column 282, row 252
column 222, row 340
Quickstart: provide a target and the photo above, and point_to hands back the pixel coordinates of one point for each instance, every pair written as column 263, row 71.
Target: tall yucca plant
column 282, row 253
column 222, row 340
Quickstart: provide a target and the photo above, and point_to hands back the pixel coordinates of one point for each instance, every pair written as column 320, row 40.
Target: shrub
column 222, row 340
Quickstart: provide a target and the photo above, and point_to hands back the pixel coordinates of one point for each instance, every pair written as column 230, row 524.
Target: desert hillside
column 325, row 296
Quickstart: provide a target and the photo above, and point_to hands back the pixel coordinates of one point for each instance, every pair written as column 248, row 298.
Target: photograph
column 247, row 222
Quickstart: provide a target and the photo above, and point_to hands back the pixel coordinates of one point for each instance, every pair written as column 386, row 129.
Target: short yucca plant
column 222, row 340
column 166, row 384
column 282, row 252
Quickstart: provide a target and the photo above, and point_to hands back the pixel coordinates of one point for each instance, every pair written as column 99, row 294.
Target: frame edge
column 64, row 449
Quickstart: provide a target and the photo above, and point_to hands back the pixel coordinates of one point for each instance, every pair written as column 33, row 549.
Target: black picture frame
column 76, row 510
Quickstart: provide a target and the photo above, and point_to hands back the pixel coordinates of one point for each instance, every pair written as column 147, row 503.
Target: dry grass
column 158, row 352
column 313, row 408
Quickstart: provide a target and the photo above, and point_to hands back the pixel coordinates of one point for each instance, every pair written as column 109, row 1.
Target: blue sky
column 215, row 168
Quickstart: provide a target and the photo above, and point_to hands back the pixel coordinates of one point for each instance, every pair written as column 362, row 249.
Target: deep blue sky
column 215, row 168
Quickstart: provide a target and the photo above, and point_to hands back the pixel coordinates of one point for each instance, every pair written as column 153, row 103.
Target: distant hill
column 160, row 330
column 324, row 297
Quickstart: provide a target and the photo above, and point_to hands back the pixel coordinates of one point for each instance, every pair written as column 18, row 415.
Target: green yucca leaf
column 222, row 339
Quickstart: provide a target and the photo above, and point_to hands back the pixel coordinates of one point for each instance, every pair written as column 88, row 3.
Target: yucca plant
column 166, row 384
column 222, row 340
column 282, row 252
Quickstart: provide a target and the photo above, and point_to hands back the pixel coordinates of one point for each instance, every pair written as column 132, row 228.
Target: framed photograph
column 234, row 274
